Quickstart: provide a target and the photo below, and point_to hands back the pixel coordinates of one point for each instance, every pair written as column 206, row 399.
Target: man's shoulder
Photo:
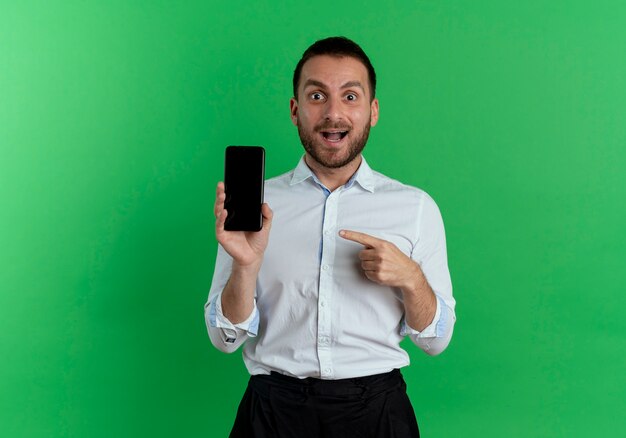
column 409, row 194
column 395, row 194
column 384, row 183
column 280, row 180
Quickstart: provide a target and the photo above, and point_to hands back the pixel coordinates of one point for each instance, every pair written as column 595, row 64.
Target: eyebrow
column 351, row 84
column 348, row 84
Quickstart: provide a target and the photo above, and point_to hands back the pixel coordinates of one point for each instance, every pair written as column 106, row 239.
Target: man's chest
column 304, row 242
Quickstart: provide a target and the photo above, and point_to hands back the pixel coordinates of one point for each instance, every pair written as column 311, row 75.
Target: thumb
column 268, row 214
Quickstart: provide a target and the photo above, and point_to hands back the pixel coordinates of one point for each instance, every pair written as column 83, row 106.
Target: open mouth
column 334, row 136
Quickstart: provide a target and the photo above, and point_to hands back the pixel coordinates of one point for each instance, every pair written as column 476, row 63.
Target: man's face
column 333, row 111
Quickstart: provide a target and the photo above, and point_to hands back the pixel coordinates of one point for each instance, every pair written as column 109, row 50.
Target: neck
column 333, row 178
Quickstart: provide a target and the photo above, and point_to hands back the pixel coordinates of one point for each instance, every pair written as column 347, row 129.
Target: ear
column 293, row 107
column 374, row 112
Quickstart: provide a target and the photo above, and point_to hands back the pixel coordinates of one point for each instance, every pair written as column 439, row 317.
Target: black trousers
column 278, row 406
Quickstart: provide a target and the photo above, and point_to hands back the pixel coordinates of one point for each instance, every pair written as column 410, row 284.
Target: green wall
column 113, row 120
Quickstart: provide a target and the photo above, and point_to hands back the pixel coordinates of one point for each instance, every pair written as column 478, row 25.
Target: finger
column 221, row 188
column 219, row 208
column 268, row 214
column 369, row 254
column 370, row 266
column 220, row 197
column 220, row 220
column 362, row 238
column 373, row 276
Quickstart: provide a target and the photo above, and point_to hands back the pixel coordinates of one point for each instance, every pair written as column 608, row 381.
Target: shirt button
column 322, row 303
column 327, row 371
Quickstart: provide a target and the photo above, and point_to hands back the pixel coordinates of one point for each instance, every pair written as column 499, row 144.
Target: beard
column 334, row 160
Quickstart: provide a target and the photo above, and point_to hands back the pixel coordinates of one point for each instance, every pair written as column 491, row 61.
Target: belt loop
column 365, row 389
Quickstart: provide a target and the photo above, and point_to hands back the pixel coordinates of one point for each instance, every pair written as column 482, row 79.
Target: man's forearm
column 420, row 302
column 238, row 294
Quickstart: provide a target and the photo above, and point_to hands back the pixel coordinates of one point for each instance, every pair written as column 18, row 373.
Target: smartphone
column 244, row 176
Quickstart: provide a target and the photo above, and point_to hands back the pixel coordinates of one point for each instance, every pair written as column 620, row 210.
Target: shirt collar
column 364, row 175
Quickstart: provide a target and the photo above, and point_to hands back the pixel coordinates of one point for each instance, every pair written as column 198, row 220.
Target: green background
column 113, row 120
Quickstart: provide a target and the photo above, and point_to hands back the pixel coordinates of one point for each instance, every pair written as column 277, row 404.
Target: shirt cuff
column 231, row 332
column 434, row 329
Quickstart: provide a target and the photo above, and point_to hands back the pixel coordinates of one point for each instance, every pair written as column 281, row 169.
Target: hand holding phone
column 245, row 247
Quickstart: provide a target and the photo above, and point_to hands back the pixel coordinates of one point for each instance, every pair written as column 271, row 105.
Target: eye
column 316, row 96
column 351, row 97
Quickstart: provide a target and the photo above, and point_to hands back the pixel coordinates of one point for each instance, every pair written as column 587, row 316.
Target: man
column 354, row 262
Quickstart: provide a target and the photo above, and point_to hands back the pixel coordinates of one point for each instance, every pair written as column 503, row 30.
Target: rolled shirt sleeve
column 436, row 337
column 431, row 254
column 225, row 335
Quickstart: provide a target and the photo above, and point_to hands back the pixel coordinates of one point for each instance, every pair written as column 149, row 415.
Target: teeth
column 334, row 136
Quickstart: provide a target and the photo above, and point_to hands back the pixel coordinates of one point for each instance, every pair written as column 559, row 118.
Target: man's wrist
column 416, row 282
column 246, row 269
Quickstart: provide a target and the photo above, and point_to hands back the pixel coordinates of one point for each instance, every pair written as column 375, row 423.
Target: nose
column 332, row 110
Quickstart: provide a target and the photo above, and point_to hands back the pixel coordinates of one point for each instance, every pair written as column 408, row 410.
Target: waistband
column 357, row 386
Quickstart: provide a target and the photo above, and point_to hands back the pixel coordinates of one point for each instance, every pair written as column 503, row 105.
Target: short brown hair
column 335, row 46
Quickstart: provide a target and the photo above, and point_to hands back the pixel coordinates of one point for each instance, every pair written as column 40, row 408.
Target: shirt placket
column 324, row 303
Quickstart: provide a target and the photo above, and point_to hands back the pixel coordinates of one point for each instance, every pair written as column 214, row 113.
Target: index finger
column 220, row 197
column 221, row 188
column 362, row 238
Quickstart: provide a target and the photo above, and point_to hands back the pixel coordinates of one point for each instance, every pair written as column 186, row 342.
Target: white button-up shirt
column 316, row 314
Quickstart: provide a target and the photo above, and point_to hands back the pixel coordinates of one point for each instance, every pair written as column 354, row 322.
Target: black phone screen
column 244, row 175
